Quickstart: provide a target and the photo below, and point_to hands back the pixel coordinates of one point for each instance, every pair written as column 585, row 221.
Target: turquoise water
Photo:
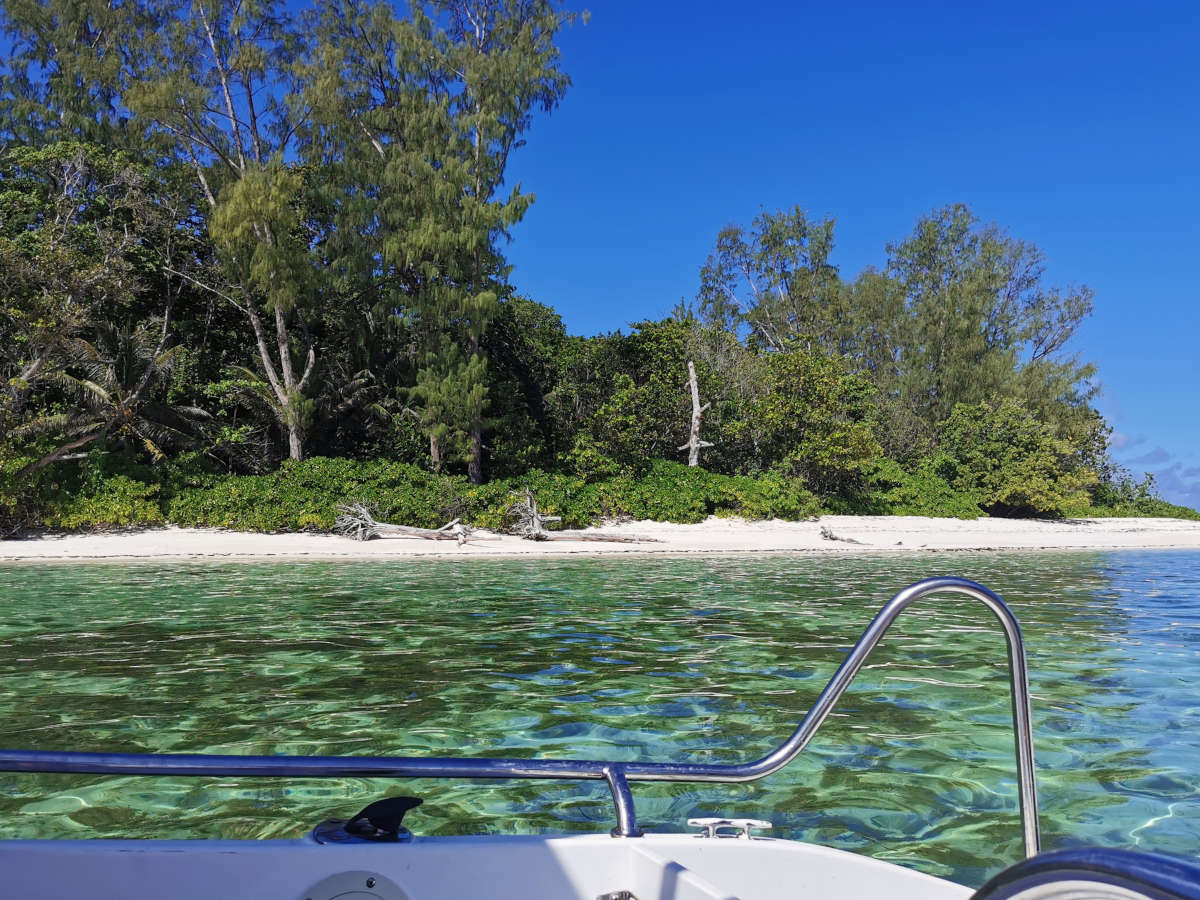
column 616, row 658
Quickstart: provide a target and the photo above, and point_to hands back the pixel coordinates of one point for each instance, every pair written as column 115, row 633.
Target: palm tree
column 111, row 377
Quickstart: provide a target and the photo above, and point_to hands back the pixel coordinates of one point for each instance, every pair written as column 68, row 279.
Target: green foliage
column 1122, row 496
column 1011, row 462
column 413, row 122
column 303, row 496
column 265, row 200
column 20, row 505
column 893, row 491
column 625, row 428
column 647, row 411
column 667, row 492
column 50, row 94
column 588, row 460
column 82, row 232
column 104, row 492
column 977, row 322
column 777, row 283
column 194, row 273
column 116, row 502
column 815, row 420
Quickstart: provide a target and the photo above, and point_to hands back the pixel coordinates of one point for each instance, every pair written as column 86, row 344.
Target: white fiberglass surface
column 667, row 867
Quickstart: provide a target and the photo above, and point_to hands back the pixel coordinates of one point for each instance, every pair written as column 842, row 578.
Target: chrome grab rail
column 616, row 774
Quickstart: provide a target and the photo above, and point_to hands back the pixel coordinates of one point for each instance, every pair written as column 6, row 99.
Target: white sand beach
column 830, row 534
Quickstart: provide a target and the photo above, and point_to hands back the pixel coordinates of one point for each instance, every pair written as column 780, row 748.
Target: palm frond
column 73, row 423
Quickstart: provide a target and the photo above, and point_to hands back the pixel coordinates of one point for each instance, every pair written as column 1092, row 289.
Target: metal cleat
column 713, row 827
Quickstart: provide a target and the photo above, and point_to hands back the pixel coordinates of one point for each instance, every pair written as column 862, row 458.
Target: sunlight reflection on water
column 631, row 658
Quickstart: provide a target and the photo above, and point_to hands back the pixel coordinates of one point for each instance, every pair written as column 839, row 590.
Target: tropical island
column 253, row 267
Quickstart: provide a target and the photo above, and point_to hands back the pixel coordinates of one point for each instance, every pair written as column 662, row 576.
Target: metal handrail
column 617, row 775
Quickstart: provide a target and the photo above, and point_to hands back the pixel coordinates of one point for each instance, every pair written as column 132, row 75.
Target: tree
column 215, row 80
column 205, row 85
column 644, row 411
column 776, row 282
column 645, row 414
column 528, row 354
column 504, row 53
column 112, row 383
column 419, row 118
column 62, row 80
column 879, row 324
column 813, row 420
column 86, row 237
column 1011, row 462
column 979, row 321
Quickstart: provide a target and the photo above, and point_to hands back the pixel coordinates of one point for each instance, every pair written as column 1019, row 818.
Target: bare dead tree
column 694, row 443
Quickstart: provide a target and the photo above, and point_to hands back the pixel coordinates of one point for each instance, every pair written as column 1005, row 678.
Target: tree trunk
column 475, row 466
column 694, row 443
column 283, row 381
column 435, row 453
column 295, row 441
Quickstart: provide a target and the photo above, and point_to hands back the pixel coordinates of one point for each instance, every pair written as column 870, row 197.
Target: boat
column 373, row 856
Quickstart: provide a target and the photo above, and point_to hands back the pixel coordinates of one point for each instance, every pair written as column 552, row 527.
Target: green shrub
column 116, row 502
column 892, row 491
column 20, row 505
column 815, row 419
column 1156, row 508
column 303, row 496
column 587, row 459
column 1011, row 462
column 1123, row 497
column 668, row 492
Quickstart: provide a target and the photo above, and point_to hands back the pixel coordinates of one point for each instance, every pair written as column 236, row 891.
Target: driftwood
column 355, row 521
column 592, row 536
column 529, row 523
column 828, row 534
column 694, row 443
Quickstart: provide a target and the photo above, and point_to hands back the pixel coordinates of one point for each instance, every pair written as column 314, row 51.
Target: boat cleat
column 726, row 828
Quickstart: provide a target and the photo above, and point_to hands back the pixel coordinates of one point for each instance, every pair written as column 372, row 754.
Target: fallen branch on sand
column 530, row 524
column 355, row 521
column 827, row 533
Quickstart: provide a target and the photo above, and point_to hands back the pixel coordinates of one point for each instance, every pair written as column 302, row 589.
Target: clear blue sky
column 1074, row 125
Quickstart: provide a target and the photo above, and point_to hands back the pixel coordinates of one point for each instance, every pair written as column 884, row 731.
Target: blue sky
column 1074, row 125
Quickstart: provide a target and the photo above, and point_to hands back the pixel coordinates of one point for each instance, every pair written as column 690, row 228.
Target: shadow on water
column 634, row 658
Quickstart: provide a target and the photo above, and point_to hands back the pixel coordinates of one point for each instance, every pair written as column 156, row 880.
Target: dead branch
column 530, row 524
column 594, row 536
column 828, row 534
column 355, row 521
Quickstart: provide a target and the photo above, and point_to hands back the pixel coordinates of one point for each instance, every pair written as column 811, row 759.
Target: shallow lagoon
column 663, row 658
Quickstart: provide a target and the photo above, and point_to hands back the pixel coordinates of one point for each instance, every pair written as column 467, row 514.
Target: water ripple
column 646, row 659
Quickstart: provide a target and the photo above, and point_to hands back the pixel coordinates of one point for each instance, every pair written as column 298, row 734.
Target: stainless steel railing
column 617, row 775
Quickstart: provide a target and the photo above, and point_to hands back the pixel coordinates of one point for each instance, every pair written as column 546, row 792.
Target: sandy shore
column 831, row 534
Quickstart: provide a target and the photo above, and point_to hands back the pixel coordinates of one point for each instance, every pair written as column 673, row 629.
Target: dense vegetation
column 251, row 265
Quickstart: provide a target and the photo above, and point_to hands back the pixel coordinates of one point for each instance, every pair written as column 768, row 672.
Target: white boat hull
column 654, row 867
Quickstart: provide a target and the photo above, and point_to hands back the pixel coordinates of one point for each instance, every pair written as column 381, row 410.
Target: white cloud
column 1155, row 457
column 1179, row 485
column 1122, row 441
